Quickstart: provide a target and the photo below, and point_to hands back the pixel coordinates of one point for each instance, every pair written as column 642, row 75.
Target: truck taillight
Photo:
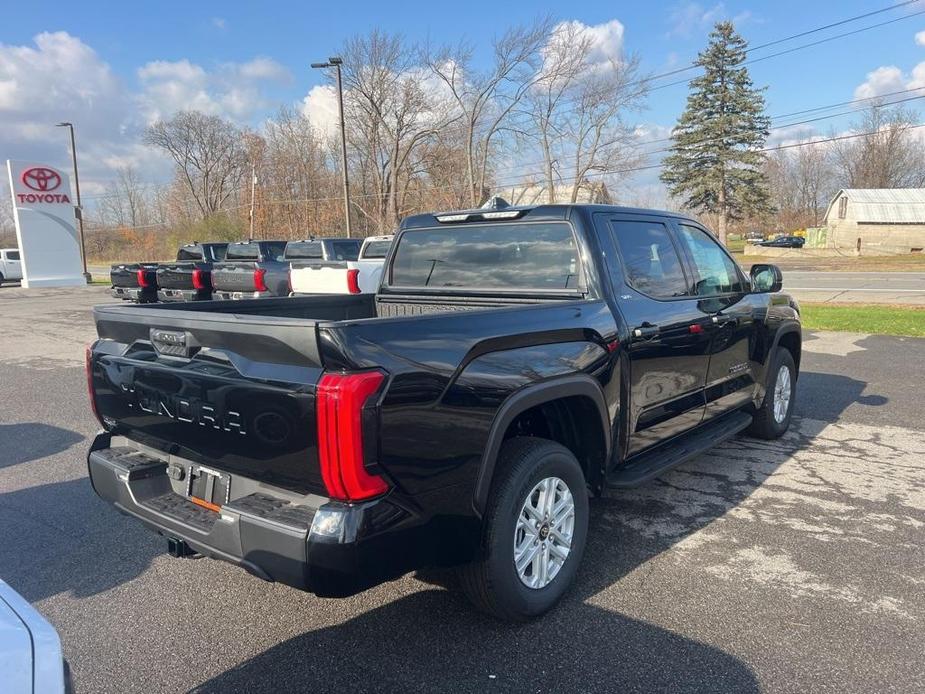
column 353, row 281
column 199, row 280
column 340, row 399
column 89, row 367
column 260, row 283
column 142, row 278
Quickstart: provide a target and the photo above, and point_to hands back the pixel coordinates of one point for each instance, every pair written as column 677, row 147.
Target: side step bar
column 649, row 465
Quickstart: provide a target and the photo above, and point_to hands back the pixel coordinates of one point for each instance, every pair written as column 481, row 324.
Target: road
column 857, row 287
column 791, row 566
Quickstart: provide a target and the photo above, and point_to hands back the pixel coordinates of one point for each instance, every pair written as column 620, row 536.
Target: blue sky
column 112, row 66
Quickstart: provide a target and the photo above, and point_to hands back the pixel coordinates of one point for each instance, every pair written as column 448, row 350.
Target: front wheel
column 534, row 531
column 773, row 417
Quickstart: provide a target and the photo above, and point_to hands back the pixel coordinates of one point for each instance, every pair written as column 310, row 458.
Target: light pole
column 336, row 63
column 79, row 210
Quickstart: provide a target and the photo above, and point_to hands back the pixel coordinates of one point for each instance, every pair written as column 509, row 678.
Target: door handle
column 645, row 330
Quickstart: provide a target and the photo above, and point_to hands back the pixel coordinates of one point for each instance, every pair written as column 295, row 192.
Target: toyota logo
column 41, row 179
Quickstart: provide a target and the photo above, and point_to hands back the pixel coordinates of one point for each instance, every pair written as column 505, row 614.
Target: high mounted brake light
column 478, row 216
column 353, row 281
column 199, row 280
column 142, row 278
column 260, row 283
column 340, row 400
column 444, row 218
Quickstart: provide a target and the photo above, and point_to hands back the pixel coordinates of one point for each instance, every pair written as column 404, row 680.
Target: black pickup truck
column 513, row 363
column 134, row 282
column 252, row 270
column 190, row 277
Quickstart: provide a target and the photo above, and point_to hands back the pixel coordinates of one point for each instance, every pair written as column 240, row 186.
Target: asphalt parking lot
column 794, row 565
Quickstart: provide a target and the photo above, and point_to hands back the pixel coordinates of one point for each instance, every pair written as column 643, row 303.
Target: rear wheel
column 773, row 417
column 534, row 531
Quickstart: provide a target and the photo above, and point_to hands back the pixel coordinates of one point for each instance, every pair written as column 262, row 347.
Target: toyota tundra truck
column 337, row 266
column 190, row 278
column 251, row 270
column 513, row 363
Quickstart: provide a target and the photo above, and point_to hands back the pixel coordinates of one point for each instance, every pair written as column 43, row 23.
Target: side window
column 842, row 207
column 12, row 255
column 275, row 250
column 718, row 273
column 650, row 261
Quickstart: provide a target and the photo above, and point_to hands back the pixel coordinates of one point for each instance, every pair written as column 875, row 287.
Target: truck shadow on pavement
column 24, row 442
column 433, row 640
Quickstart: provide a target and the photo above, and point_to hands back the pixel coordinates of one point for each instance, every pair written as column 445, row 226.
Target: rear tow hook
column 178, row 548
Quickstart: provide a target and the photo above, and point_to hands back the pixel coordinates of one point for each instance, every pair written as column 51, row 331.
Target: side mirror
column 766, row 278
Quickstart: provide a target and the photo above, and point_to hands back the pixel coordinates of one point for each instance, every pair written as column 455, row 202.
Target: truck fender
column 785, row 329
column 521, row 401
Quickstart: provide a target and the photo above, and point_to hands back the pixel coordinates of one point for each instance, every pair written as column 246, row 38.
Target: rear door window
column 717, row 272
column 537, row 256
column 275, row 250
column 651, row 263
column 376, row 249
column 12, row 255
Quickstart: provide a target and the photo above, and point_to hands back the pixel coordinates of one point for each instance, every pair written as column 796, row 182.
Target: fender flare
column 785, row 329
column 522, row 400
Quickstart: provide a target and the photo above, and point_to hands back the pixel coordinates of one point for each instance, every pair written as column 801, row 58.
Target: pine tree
column 715, row 162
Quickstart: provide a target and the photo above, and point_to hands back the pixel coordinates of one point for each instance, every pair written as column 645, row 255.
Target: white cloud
column 58, row 77
column 889, row 78
column 233, row 89
column 219, row 23
column 320, row 107
column 920, row 38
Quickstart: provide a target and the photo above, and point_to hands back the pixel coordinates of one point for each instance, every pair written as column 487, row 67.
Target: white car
column 31, row 661
column 10, row 265
column 316, row 268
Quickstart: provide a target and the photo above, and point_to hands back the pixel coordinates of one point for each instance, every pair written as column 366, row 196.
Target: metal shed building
column 886, row 220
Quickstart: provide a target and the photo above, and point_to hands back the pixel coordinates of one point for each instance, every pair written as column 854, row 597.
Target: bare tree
column 595, row 132
column 800, row 183
column 886, row 155
column 210, row 155
column 487, row 99
column 125, row 202
column 394, row 109
column 577, row 110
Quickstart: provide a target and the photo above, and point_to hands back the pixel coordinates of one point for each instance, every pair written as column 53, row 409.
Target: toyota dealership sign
column 45, row 225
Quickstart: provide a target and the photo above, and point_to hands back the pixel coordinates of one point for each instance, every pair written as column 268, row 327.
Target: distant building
column 884, row 219
column 538, row 194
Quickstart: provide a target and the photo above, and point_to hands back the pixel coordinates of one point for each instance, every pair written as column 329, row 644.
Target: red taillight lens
column 353, row 281
column 260, row 284
column 89, row 367
column 142, row 278
column 199, row 280
column 339, row 403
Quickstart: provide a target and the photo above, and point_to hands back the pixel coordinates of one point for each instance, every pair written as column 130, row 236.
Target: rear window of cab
column 518, row 256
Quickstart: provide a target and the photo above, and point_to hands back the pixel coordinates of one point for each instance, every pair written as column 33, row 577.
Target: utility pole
column 336, row 63
column 78, row 211
column 253, row 194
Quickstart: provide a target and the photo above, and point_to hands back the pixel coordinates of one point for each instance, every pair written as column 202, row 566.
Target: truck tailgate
column 234, row 277
column 176, row 275
column 231, row 391
column 124, row 275
column 320, row 278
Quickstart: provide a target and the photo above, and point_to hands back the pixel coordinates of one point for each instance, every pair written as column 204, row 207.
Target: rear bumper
column 226, row 295
column 328, row 548
column 183, row 294
column 139, row 294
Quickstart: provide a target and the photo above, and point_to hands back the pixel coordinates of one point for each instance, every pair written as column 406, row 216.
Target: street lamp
column 336, row 63
column 79, row 209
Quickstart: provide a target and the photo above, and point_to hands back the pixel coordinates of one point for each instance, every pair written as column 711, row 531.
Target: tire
column 765, row 424
column 492, row 582
column 1, row 278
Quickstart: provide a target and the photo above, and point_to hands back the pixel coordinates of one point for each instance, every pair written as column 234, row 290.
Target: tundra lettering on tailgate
column 182, row 409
